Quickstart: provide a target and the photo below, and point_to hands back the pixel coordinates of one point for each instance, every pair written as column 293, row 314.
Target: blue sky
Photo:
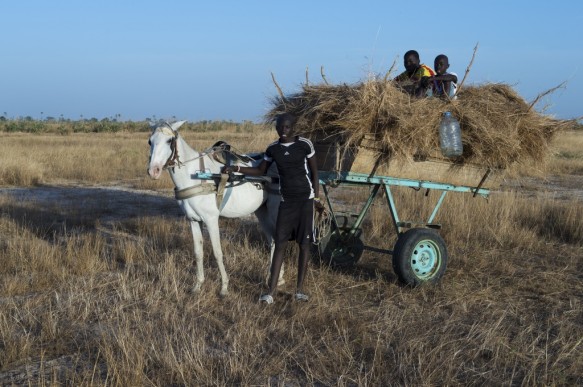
column 212, row 60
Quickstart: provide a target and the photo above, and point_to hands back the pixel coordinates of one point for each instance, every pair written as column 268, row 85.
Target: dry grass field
column 96, row 277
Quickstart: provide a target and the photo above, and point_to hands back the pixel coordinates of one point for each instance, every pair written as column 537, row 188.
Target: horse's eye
column 169, row 141
column 149, row 142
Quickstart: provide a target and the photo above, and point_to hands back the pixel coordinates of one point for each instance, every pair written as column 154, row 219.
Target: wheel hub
column 425, row 259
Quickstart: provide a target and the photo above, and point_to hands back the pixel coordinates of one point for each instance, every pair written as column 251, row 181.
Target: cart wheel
column 420, row 256
column 339, row 248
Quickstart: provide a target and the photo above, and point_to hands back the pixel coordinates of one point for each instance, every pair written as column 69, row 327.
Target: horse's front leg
column 213, row 229
column 196, row 228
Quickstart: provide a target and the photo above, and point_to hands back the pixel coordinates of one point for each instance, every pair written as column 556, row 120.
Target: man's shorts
column 295, row 221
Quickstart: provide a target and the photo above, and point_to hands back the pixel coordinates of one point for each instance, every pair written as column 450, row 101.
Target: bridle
column 174, row 159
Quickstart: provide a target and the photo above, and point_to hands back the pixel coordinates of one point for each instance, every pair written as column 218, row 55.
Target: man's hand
column 229, row 169
column 318, row 205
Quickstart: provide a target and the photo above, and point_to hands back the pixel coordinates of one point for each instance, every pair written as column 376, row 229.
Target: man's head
column 284, row 125
column 441, row 64
column 411, row 61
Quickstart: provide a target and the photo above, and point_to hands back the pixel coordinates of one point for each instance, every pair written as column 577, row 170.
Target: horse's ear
column 176, row 125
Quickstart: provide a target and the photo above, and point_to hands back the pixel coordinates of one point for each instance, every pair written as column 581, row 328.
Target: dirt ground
column 110, row 203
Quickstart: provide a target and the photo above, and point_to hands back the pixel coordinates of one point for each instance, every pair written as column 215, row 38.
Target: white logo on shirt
column 286, row 153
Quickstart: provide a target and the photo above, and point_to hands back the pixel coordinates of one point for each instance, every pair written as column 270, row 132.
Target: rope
column 209, row 152
column 322, row 225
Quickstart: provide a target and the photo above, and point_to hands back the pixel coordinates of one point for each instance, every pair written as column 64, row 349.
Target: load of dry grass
column 498, row 127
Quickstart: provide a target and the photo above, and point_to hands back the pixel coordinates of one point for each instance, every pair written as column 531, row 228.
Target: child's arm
column 445, row 78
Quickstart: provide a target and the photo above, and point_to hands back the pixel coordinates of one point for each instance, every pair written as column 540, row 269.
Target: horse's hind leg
column 213, row 229
column 195, row 227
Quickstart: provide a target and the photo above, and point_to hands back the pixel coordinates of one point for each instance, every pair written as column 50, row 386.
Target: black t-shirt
column 292, row 164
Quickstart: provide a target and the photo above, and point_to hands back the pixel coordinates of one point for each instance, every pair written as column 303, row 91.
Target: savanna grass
column 91, row 299
column 106, row 157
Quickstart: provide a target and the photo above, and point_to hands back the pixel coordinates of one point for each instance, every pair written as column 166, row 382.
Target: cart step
column 414, row 225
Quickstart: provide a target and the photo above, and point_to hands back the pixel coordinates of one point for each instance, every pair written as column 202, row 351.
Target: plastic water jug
column 450, row 136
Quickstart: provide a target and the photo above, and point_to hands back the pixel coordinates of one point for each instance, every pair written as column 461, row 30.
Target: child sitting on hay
column 415, row 78
column 443, row 84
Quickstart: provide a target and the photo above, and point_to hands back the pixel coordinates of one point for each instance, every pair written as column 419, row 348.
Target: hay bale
column 498, row 127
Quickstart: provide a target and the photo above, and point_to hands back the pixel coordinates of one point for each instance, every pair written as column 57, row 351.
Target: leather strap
column 201, row 189
column 221, row 189
column 204, row 189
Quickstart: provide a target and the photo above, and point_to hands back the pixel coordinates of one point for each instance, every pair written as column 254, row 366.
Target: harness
column 220, row 152
column 206, row 189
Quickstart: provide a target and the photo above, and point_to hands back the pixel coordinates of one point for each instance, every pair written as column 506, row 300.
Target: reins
column 174, row 159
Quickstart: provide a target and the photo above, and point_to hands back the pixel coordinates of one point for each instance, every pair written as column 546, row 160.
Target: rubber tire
column 419, row 257
column 335, row 251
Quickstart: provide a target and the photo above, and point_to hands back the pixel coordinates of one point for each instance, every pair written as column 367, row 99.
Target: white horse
column 204, row 200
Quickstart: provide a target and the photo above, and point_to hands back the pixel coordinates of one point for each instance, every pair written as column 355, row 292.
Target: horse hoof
column 224, row 293
column 196, row 289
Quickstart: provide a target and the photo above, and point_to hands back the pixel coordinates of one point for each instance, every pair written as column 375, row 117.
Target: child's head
column 411, row 61
column 284, row 125
column 441, row 64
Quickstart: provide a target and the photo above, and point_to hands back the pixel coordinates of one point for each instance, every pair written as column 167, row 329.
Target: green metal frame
column 335, row 178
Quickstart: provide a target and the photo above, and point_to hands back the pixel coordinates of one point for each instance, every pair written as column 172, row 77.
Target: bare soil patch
column 112, row 202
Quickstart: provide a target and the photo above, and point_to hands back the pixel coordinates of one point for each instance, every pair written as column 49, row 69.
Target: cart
column 420, row 254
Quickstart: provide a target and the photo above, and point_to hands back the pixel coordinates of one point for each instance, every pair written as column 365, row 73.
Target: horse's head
column 162, row 147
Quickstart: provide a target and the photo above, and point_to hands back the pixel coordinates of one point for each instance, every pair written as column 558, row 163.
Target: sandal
column 267, row 298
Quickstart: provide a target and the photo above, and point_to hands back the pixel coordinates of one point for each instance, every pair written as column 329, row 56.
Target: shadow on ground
column 49, row 209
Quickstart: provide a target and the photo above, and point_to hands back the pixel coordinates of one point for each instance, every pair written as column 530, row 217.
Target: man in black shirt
column 299, row 186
